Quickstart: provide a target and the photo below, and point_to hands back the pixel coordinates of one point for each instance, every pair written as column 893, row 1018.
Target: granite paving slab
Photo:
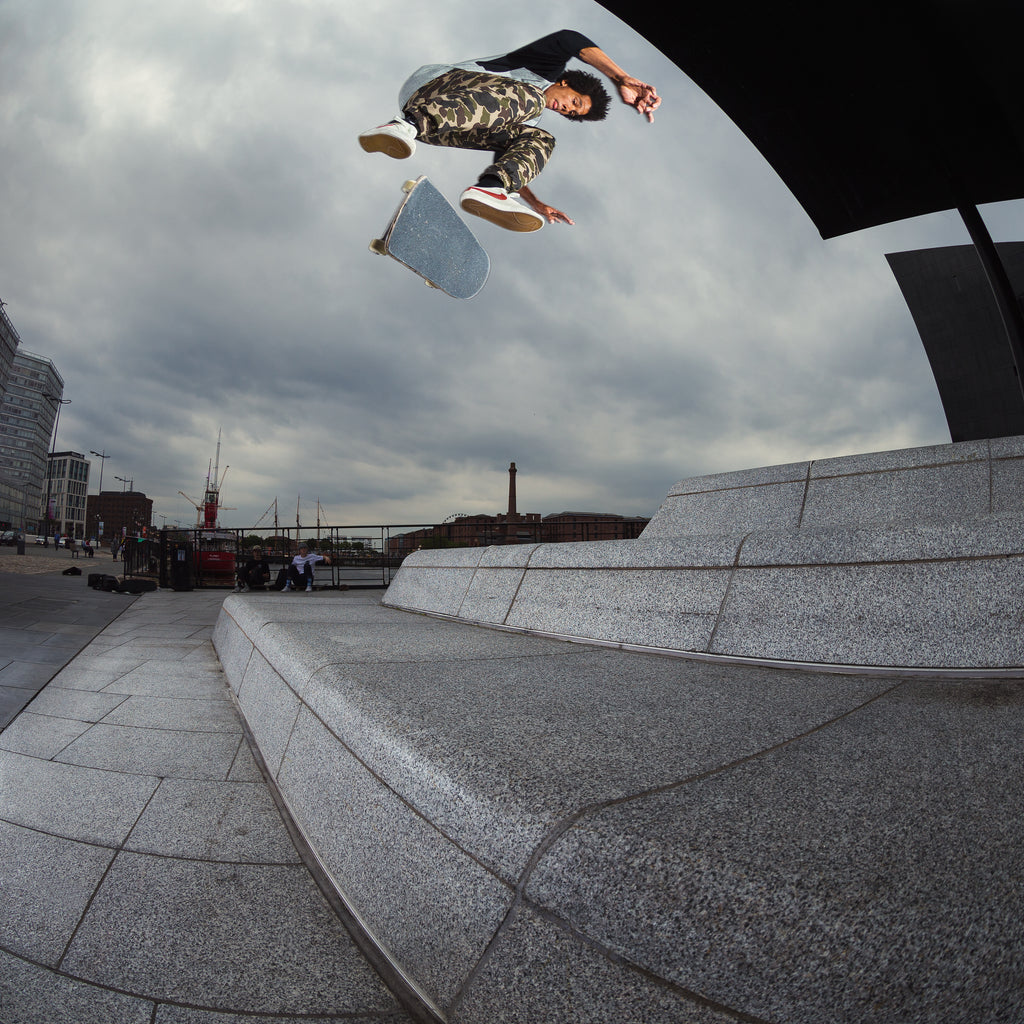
column 165, row 752
column 30, row 994
column 188, row 714
column 647, row 607
column 428, row 902
column 25, row 675
column 908, row 615
column 47, row 883
column 92, row 806
column 394, row 637
column 40, row 736
column 227, row 921
column 86, row 675
column 717, row 511
column 106, row 660
column 201, row 820
column 174, row 679
column 867, row 871
column 86, row 706
column 563, row 979
column 905, row 492
column 539, row 736
column 245, row 768
column 271, row 707
column 39, row 652
column 167, row 1014
column 158, row 649
column 12, row 700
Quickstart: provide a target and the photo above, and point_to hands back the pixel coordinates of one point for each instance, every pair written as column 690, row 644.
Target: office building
column 10, row 493
column 28, row 412
column 67, row 485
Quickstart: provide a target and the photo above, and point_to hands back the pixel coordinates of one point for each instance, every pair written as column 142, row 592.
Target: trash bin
column 180, row 568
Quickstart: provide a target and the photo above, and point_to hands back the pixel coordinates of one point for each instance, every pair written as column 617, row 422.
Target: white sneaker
column 286, row 588
column 501, row 208
column 396, row 139
column 309, row 590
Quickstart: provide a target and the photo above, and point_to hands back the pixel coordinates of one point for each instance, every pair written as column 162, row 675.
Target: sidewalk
column 145, row 873
column 45, row 620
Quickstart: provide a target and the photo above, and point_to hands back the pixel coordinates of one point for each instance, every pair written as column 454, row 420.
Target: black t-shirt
column 546, row 57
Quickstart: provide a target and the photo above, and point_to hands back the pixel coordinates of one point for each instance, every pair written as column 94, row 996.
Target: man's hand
column 640, row 95
column 634, row 92
column 549, row 213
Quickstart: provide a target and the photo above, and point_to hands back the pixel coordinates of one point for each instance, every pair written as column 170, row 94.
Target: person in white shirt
column 302, row 569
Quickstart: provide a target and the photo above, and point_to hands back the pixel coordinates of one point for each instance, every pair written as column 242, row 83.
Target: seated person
column 255, row 572
column 302, row 569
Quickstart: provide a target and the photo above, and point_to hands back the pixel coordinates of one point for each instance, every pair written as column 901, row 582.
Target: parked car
column 9, row 538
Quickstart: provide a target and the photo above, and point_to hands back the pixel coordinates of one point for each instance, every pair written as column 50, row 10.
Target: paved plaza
column 145, row 871
column 535, row 830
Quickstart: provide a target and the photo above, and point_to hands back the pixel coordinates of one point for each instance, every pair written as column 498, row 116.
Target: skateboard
column 432, row 240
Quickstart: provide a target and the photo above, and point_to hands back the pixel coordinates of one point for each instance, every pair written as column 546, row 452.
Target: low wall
column 909, row 559
column 521, row 829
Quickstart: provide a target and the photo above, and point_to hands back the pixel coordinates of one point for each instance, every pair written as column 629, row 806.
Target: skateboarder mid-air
column 494, row 104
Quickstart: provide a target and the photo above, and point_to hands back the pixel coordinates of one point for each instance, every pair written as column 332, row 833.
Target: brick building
column 513, row 527
column 121, row 513
column 566, row 527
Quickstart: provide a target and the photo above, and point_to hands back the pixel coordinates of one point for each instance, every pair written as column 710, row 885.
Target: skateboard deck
column 432, row 240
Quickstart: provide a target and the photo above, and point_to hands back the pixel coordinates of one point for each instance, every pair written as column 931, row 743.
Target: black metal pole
column 1002, row 290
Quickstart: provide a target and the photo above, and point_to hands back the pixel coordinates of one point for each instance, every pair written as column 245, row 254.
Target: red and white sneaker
column 500, row 207
column 396, row 139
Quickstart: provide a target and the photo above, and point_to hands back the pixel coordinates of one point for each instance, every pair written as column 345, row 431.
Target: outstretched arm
column 634, row 92
column 549, row 212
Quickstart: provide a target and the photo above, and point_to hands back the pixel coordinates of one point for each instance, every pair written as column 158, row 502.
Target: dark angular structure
column 951, row 303
column 872, row 113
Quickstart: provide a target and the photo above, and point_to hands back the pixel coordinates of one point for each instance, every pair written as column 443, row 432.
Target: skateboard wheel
column 429, row 284
column 377, row 246
column 409, row 185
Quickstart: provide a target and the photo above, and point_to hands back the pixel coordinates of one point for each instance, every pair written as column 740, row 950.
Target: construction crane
column 207, row 512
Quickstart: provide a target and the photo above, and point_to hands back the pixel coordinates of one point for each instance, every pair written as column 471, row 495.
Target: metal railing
column 362, row 556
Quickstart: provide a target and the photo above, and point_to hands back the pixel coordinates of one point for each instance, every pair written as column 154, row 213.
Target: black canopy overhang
column 869, row 112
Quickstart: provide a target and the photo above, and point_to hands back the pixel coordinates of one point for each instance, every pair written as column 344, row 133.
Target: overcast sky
column 186, row 214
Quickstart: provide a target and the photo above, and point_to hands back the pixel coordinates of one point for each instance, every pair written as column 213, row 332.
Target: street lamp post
column 129, row 483
column 102, row 456
column 53, row 448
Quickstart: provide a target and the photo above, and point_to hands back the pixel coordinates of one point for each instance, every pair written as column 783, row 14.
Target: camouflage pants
column 469, row 110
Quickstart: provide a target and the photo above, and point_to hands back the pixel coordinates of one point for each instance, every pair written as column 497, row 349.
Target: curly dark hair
column 590, row 85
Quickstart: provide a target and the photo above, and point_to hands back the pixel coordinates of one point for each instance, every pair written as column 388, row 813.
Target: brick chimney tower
column 512, row 492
